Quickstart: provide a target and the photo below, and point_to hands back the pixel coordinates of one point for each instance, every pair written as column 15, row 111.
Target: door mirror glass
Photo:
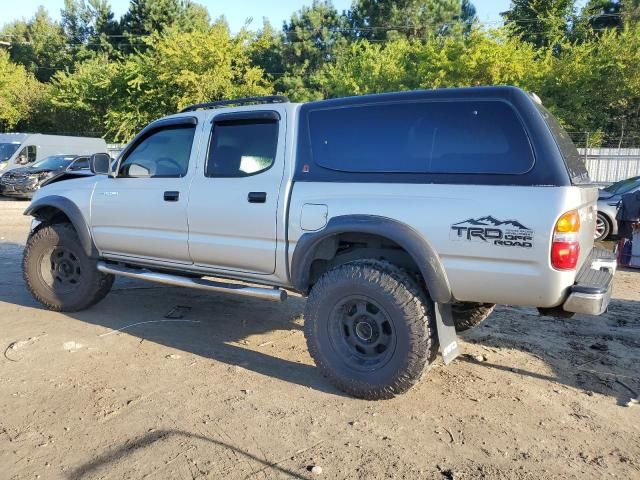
column 100, row 163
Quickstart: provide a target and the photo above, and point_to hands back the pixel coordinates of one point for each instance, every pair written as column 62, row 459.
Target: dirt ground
column 229, row 391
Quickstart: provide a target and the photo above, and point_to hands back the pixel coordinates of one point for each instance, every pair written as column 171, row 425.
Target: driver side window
column 27, row 155
column 161, row 154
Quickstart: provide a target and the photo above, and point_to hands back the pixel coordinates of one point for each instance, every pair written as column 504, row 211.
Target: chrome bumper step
column 594, row 284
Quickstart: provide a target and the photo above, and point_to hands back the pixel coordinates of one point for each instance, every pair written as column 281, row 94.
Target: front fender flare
column 420, row 250
column 38, row 208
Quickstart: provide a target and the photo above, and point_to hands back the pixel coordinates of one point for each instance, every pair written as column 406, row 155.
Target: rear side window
column 575, row 164
column 482, row 137
column 242, row 148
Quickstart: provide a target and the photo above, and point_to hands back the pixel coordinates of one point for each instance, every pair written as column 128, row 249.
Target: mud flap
column 446, row 333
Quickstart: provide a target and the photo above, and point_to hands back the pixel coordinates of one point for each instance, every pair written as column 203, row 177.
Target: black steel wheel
column 362, row 332
column 60, row 269
column 58, row 272
column 370, row 329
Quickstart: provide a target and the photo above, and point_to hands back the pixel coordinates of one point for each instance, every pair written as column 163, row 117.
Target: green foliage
column 145, row 17
column 601, row 14
column 89, row 27
column 20, row 92
column 309, row 41
column 81, row 99
column 479, row 58
column 98, row 75
column 389, row 19
column 544, row 23
column 176, row 70
column 39, row 44
column 596, row 85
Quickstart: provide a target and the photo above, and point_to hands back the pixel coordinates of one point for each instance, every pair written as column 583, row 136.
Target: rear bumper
column 591, row 292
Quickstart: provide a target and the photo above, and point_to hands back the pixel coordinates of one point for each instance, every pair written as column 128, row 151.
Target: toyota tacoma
column 403, row 217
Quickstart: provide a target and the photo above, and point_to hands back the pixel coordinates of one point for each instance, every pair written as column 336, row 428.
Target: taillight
column 565, row 249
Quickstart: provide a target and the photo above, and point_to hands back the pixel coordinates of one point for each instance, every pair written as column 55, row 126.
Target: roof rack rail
column 236, row 102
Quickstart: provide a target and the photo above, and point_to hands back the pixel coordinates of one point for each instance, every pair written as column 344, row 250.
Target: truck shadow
column 232, row 330
column 594, row 354
column 150, row 440
column 222, row 327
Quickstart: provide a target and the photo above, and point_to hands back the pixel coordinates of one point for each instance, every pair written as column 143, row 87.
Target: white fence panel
column 608, row 165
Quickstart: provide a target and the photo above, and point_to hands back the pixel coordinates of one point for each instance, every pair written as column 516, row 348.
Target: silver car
column 608, row 201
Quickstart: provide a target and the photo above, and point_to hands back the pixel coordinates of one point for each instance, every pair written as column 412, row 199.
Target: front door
column 234, row 200
column 142, row 213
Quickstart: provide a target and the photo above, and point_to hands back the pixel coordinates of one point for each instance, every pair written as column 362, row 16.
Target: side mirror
column 100, row 163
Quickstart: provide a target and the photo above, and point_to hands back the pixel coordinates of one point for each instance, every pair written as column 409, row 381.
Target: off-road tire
column 467, row 315
column 409, row 312
column 83, row 284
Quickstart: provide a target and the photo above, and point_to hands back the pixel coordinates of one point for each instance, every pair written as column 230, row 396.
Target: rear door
column 142, row 213
column 234, row 196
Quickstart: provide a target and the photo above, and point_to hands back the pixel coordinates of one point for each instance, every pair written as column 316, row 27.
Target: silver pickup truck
column 403, row 217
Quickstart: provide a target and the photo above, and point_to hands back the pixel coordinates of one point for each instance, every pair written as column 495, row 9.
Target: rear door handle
column 257, row 197
column 171, row 196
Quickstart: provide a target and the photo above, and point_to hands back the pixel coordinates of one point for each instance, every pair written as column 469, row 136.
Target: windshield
column 54, row 163
column 7, row 149
column 623, row 186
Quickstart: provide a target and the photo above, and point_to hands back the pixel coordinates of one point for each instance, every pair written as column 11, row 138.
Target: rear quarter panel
column 478, row 269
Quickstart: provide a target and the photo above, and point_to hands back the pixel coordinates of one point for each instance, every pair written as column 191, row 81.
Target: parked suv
column 402, row 217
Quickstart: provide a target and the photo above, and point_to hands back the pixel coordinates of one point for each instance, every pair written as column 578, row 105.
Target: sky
column 236, row 11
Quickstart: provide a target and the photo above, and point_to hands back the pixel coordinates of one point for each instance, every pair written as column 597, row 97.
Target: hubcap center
column 64, row 268
column 364, row 331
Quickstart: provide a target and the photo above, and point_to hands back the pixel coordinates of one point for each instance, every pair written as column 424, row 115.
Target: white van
column 23, row 149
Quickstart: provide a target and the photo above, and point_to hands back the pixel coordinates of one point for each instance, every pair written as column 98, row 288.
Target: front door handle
column 171, row 196
column 257, row 197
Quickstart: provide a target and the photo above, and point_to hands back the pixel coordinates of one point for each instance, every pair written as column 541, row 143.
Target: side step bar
column 274, row 294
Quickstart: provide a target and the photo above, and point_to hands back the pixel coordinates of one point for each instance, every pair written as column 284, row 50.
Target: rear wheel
column 58, row 272
column 370, row 329
column 603, row 227
column 467, row 315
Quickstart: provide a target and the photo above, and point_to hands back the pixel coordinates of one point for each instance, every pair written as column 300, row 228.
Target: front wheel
column 58, row 272
column 370, row 329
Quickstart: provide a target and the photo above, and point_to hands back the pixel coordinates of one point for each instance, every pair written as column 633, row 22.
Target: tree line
column 91, row 73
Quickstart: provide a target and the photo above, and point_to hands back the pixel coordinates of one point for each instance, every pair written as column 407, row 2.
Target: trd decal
column 503, row 233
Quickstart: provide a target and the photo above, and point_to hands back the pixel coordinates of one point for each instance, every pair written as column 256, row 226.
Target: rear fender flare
column 419, row 248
